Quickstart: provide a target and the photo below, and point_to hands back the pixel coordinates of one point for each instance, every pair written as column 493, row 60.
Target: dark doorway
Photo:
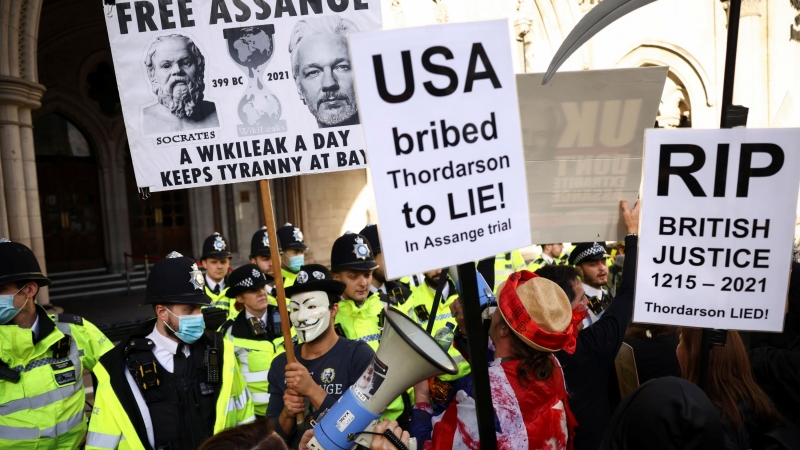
column 69, row 196
column 159, row 224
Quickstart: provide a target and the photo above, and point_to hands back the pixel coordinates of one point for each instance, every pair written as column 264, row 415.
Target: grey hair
column 193, row 50
column 319, row 25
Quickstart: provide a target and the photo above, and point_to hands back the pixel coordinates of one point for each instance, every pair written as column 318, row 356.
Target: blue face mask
column 190, row 328
column 7, row 310
column 296, row 262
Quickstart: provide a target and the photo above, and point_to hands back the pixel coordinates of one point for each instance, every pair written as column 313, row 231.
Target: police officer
column 42, row 359
column 360, row 316
column 420, row 306
column 261, row 252
column 551, row 254
column 505, row 264
column 294, row 250
column 253, row 332
column 589, row 259
column 170, row 384
column 217, row 261
column 397, row 293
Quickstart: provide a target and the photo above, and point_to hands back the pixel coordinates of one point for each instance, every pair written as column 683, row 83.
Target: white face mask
column 310, row 314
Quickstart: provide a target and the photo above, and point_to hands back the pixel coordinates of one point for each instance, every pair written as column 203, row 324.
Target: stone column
column 750, row 88
column 20, row 190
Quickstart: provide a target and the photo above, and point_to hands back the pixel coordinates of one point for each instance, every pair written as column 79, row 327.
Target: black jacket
column 587, row 370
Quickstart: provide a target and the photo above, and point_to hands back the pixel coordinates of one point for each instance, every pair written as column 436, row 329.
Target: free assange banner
column 225, row 91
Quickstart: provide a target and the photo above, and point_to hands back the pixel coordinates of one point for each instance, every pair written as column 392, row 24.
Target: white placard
column 225, row 91
column 717, row 225
column 584, row 134
column 441, row 122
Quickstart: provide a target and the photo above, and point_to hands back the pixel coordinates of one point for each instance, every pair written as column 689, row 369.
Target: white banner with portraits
column 225, row 91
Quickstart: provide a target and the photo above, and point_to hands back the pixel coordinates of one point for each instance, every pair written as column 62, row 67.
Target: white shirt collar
column 262, row 318
column 35, row 327
column 593, row 292
column 445, row 291
column 165, row 348
column 547, row 258
column 212, row 285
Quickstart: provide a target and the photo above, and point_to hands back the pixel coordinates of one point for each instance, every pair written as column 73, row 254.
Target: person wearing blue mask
column 171, row 383
column 294, row 252
column 42, row 359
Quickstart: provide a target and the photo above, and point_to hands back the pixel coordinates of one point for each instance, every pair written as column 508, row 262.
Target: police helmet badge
column 360, row 249
column 174, row 255
column 318, row 275
column 298, row 235
column 196, row 277
column 265, row 241
column 4, row 240
column 302, row 277
column 256, row 274
column 327, row 375
column 219, row 244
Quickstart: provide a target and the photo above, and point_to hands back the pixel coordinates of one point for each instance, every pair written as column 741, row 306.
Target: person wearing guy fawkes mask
column 589, row 259
column 170, row 384
column 327, row 364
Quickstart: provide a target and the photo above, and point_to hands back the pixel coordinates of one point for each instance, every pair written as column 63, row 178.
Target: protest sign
column 441, row 123
column 583, row 134
column 225, row 91
column 717, row 225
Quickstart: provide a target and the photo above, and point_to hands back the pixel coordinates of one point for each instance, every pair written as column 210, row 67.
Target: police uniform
column 215, row 246
column 156, row 393
column 505, row 264
column 545, row 260
column 41, row 369
column 361, row 322
column 291, row 237
column 599, row 299
column 253, row 338
column 397, row 292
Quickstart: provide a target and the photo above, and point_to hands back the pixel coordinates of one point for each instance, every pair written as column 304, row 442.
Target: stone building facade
column 67, row 187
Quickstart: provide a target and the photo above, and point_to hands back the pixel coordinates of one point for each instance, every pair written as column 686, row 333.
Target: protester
column 327, row 364
column 258, row 435
column 533, row 320
column 747, row 414
column 587, row 370
column 665, row 414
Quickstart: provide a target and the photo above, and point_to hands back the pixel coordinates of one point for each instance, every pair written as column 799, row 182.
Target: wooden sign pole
column 280, row 295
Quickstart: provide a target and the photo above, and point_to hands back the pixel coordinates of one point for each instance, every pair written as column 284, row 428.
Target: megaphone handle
column 365, row 438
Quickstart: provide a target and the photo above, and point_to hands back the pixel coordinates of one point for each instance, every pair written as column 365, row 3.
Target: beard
column 332, row 117
column 180, row 95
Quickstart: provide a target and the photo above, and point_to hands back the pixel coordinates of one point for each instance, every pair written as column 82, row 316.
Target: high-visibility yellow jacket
column 289, row 277
column 44, row 409
column 505, row 264
column 119, row 404
column 365, row 324
column 422, row 297
column 220, row 300
column 254, row 355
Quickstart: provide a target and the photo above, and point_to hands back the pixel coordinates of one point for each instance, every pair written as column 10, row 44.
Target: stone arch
column 685, row 72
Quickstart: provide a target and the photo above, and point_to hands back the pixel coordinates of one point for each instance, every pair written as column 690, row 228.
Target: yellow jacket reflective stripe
column 505, row 264
column 423, row 296
column 220, row 300
column 45, row 408
column 289, row 277
column 254, row 358
column 361, row 324
column 110, row 426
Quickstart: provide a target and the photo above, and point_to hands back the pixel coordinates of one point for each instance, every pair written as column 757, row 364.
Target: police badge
column 302, row 277
column 256, row 274
column 195, row 276
column 298, row 235
column 174, row 255
column 265, row 241
column 360, row 249
column 219, row 244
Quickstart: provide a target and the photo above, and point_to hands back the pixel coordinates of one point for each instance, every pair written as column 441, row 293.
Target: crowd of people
column 555, row 327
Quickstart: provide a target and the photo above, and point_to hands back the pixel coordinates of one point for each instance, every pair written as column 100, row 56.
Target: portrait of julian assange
column 321, row 69
column 175, row 69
